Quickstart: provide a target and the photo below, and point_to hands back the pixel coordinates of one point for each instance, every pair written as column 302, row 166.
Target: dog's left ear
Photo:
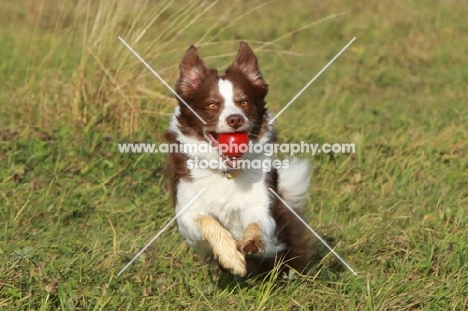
column 246, row 62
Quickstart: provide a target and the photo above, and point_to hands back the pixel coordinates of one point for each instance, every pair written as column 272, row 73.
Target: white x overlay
column 310, row 82
column 271, row 190
column 161, row 231
column 313, row 231
column 161, row 79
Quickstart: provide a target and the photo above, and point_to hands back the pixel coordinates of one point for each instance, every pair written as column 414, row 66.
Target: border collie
column 236, row 220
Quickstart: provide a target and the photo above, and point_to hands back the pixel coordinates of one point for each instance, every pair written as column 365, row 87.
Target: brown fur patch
column 290, row 231
column 298, row 239
column 176, row 167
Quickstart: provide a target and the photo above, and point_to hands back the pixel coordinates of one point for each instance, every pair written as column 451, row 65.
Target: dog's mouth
column 232, row 161
column 213, row 138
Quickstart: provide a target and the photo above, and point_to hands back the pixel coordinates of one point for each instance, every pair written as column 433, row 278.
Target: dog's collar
column 231, row 173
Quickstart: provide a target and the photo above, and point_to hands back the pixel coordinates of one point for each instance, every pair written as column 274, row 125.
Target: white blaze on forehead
column 226, row 89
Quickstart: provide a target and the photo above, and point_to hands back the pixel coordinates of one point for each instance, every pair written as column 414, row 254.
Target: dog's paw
column 250, row 246
column 233, row 261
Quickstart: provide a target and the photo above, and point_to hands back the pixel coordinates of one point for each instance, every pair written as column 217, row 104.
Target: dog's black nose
column 235, row 120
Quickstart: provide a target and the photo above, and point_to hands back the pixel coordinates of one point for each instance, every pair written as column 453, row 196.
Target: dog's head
column 233, row 102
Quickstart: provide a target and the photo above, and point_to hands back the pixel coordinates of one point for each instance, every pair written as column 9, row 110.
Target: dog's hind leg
column 223, row 245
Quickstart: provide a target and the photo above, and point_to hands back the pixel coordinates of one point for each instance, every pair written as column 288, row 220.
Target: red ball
column 233, row 144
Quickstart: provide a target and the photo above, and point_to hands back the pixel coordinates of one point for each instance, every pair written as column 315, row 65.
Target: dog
column 237, row 220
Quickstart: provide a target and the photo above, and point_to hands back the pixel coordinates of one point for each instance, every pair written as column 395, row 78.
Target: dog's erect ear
column 192, row 72
column 246, row 62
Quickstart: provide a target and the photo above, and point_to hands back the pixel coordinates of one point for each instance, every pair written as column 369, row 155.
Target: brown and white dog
column 236, row 219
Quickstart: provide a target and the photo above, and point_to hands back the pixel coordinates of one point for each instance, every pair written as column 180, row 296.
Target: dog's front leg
column 223, row 245
column 259, row 233
column 252, row 241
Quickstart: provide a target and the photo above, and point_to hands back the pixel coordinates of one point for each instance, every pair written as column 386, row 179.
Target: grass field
column 74, row 211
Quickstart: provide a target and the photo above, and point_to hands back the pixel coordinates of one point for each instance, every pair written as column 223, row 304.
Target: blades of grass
column 45, row 303
column 214, row 25
column 286, row 35
column 153, row 20
column 199, row 13
column 180, row 17
column 21, row 209
column 63, row 296
column 255, row 8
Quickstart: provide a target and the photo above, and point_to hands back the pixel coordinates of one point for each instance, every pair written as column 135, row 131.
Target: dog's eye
column 211, row 105
column 244, row 103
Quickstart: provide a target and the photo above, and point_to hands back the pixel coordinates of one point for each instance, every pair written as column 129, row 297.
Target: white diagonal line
column 161, row 79
column 310, row 82
column 161, row 231
column 315, row 233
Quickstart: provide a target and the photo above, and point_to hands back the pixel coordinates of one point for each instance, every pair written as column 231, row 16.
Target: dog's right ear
column 192, row 72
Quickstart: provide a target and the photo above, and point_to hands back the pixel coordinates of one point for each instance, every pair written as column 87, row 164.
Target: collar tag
column 232, row 174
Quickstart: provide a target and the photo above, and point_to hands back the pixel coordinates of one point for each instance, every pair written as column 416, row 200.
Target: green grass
column 74, row 211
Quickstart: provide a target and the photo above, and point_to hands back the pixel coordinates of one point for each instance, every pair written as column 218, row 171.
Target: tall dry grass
column 73, row 69
column 76, row 70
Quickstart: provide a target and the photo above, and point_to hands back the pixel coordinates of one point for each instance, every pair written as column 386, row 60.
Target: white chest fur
column 235, row 203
